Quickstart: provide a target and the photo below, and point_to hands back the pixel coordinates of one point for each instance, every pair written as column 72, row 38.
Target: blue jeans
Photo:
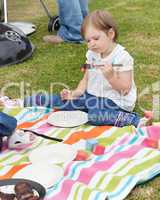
column 7, row 124
column 101, row 111
column 71, row 14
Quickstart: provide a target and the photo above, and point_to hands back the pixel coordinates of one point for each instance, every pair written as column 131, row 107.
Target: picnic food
column 23, row 191
column 5, row 196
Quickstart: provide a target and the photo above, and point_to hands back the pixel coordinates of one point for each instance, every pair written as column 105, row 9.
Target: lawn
column 52, row 67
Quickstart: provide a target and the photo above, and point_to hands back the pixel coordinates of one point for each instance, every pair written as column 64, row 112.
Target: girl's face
column 99, row 41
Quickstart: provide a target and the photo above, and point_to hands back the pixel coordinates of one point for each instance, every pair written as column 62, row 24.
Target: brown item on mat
column 24, row 191
column 5, row 196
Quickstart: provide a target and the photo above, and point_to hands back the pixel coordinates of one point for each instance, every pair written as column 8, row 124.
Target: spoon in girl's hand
column 89, row 66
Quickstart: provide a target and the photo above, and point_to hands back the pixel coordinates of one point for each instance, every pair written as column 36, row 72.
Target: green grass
column 139, row 22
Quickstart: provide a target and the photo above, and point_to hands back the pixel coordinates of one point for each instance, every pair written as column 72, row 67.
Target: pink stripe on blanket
column 122, row 141
column 65, row 191
column 109, row 149
column 44, row 128
column 154, row 132
column 87, row 173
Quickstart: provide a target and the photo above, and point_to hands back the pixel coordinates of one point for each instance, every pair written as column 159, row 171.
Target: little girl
column 107, row 91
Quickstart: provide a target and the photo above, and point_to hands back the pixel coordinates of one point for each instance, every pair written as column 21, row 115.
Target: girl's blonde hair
column 101, row 20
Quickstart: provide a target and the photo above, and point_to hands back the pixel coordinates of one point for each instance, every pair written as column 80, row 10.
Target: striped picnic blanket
column 125, row 163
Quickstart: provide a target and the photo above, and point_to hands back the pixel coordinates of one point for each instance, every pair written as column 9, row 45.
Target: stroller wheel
column 53, row 24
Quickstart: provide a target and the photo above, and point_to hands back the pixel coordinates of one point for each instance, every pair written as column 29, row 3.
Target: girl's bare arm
column 119, row 80
column 73, row 94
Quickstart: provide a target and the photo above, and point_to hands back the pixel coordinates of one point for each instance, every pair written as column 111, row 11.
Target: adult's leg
column 70, row 20
column 84, row 7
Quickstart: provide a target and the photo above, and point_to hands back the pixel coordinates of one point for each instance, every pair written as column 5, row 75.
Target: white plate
column 46, row 175
column 27, row 27
column 68, row 118
column 55, row 153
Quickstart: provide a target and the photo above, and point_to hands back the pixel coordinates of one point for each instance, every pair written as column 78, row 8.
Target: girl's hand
column 66, row 94
column 107, row 70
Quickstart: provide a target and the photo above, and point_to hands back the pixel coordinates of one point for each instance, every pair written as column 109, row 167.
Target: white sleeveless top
column 98, row 84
